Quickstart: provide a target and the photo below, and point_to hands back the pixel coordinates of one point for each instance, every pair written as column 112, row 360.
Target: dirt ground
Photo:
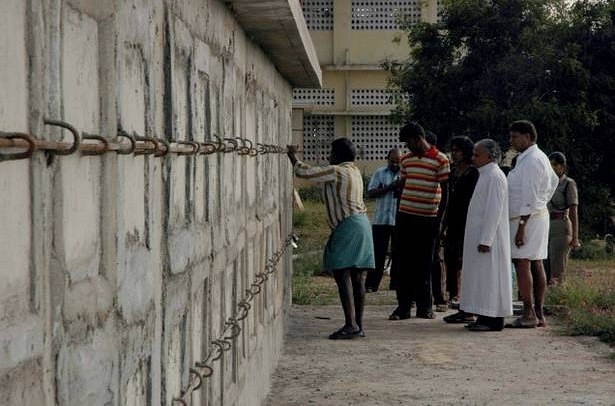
column 429, row 362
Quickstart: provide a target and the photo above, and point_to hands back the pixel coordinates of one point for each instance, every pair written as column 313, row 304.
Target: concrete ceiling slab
column 279, row 28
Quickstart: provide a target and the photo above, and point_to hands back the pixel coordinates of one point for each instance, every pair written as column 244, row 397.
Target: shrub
column 589, row 297
column 592, row 250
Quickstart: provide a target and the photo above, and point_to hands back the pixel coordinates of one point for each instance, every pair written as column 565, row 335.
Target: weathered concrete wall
column 118, row 271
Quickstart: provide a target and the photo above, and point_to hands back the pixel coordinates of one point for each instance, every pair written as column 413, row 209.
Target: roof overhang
column 279, row 28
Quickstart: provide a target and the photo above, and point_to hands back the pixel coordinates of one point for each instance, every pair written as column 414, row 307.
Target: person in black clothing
column 461, row 185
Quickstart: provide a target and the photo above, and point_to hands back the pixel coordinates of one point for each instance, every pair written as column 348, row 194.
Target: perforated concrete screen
column 383, row 14
column 374, row 136
column 440, row 7
column 371, row 97
column 318, row 132
column 313, row 97
column 318, row 14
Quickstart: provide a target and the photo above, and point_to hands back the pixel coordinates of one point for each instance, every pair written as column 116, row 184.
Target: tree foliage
column 490, row 62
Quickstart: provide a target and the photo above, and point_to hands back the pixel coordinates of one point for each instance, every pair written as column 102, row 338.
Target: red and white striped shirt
column 422, row 175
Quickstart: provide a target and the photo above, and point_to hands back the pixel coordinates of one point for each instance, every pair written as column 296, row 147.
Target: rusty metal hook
column 235, row 329
column 73, row 130
column 258, row 288
column 203, row 365
column 145, row 140
column 197, row 374
column 207, row 148
column 250, row 295
column 234, row 144
column 221, row 146
column 194, row 145
column 133, row 143
column 20, row 155
column 243, row 149
column 96, row 137
column 244, row 313
column 160, row 152
column 225, row 344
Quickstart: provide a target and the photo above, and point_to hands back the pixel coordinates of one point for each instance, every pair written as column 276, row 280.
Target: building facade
column 352, row 39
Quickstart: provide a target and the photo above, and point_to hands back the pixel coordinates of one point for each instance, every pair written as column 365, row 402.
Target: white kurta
column 486, row 276
column 531, row 184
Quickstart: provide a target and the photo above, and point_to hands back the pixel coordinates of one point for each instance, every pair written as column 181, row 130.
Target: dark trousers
column 438, row 277
column 382, row 234
column 415, row 238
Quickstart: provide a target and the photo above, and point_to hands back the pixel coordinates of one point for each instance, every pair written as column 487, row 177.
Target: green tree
column 488, row 63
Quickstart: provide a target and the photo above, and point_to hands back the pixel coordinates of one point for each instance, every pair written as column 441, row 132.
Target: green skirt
column 350, row 245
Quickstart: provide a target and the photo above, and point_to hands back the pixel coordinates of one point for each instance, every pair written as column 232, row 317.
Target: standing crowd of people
column 456, row 227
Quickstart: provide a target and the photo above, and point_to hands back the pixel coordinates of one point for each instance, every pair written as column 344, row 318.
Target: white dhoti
column 536, row 237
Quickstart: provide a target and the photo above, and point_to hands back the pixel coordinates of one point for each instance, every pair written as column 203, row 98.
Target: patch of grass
column 588, row 293
column 311, row 285
column 311, row 227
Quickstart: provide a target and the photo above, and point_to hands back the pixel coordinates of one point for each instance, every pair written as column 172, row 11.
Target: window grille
column 440, row 8
column 383, row 14
column 372, row 97
column 318, row 14
column 374, row 137
column 313, row 97
column 318, row 132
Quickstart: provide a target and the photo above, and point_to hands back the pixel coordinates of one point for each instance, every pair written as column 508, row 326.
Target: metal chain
column 232, row 328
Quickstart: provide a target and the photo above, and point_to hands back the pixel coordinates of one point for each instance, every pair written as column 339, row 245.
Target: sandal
column 518, row 323
column 459, row 318
column 481, row 327
column 342, row 334
column 441, row 307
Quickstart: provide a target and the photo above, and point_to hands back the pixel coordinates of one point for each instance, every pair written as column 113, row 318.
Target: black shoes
column 342, row 334
column 395, row 316
column 459, row 318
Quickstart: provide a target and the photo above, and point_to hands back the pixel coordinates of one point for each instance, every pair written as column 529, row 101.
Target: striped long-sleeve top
column 422, row 175
column 342, row 188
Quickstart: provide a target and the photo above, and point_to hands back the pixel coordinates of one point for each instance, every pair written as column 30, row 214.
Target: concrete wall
column 118, row 271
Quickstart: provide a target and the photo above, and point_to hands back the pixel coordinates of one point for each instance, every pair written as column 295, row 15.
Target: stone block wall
column 118, row 272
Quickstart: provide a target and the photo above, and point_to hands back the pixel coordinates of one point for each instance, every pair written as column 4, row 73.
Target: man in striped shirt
column 349, row 252
column 424, row 173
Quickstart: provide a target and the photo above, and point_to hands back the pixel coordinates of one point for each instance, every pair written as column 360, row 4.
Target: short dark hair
column 524, row 127
column 411, row 130
column 558, row 157
column 431, row 137
column 466, row 146
column 344, row 149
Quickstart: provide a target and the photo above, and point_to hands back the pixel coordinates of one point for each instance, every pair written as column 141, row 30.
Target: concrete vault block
column 87, row 372
column 79, row 188
column 177, row 356
column 15, row 292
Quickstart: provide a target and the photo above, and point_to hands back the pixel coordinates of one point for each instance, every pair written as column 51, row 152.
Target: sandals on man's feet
column 518, row 323
column 441, row 307
column 342, row 334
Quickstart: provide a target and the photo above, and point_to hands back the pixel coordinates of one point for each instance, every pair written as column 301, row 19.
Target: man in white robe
column 486, row 286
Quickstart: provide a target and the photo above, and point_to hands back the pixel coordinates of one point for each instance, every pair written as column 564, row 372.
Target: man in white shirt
column 531, row 183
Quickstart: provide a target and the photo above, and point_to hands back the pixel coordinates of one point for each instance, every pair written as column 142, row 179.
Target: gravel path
column 429, row 362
